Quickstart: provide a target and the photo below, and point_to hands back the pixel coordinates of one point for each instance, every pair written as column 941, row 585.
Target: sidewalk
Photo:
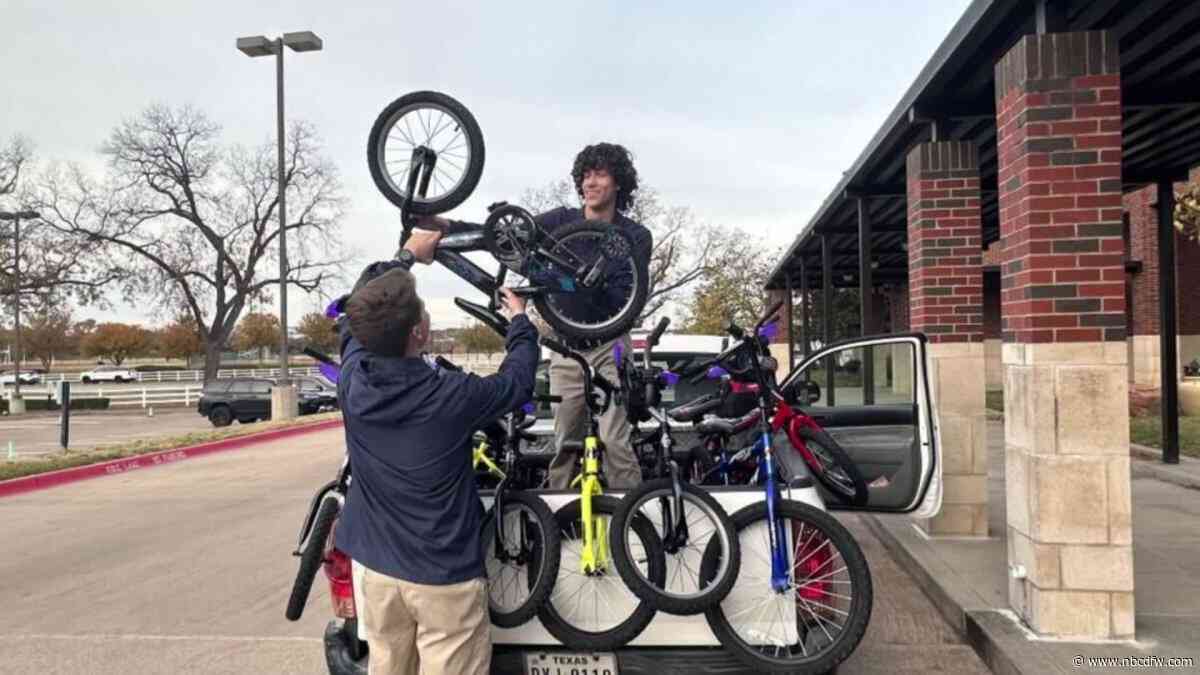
column 967, row 578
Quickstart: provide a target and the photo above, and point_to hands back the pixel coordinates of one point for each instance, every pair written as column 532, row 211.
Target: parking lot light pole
column 16, row 403
column 255, row 46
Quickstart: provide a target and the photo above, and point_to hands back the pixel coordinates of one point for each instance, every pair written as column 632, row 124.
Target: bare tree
column 681, row 243
column 196, row 224
column 50, row 261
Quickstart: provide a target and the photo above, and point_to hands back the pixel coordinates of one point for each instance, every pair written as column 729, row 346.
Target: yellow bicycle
column 591, row 607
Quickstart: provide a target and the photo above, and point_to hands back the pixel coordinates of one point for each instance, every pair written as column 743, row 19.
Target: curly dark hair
column 614, row 159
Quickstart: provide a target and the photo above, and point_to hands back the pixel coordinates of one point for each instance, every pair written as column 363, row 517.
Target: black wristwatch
column 406, row 258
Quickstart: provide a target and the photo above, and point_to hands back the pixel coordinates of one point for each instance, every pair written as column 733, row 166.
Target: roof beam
column 1176, row 174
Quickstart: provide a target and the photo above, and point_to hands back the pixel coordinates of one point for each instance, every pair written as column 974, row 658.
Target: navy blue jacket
column 413, row 511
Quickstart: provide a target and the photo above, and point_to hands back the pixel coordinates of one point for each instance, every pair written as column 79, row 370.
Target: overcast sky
column 745, row 112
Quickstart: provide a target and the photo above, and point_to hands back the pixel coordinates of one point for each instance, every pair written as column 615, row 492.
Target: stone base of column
column 957, row 376
column 1145, row 361
column 284, row 403
column 995, row 364
column 16, row 405
column 1068, row 494
column 902, row 369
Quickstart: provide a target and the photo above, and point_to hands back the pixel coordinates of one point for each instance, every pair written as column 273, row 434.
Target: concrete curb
column 51, row 479
column 1185, row 474
column 994, row 637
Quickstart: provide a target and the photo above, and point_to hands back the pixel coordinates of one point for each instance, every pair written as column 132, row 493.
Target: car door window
column 870, row 396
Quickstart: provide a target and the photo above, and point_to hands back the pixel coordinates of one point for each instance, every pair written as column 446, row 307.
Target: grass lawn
column 1148, row 431
column 71, row 457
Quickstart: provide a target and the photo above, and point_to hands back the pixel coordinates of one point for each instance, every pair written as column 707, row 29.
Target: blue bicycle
column 803, row 597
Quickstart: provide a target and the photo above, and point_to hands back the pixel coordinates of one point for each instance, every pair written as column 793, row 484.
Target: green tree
column 731, row 286
column 257, row 330
column 318, row 331
column 117, row 341
column 1187, row 211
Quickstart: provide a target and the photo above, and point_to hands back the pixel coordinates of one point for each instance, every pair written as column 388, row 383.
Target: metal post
column 805, row 315
column 17, row 302
column 866, row 315
column 1168, row 341
column 791, row 324
column 283, row 266
column 827, row 313
column 64, row 399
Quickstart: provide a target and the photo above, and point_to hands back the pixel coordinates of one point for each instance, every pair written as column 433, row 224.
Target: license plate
column 570, row 663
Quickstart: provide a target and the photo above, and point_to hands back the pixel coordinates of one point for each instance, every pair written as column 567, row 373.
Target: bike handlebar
column 591, row 379
column 320, row 356
column 653, row 338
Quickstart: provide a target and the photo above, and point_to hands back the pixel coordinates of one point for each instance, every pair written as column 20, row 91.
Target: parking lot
column 37, row 433
column 187, row 567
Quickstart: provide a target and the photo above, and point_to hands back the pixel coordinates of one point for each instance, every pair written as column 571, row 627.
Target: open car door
column 873, row 396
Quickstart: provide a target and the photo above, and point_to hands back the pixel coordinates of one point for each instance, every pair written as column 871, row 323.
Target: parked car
column 248, row 399
column 9, row 377
column 245, row 399
column 315, row 394
column 109, row 374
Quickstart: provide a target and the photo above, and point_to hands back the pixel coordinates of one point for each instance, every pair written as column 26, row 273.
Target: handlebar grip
column 446, row 364
column 547, row 399
column 658, row 331
column 320, row 356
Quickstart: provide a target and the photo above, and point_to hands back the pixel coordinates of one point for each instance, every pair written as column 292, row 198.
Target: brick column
column 945, row 278
column 1063, row 304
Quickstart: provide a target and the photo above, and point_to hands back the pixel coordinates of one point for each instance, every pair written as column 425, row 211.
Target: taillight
column 812, row 569
column 341, row 581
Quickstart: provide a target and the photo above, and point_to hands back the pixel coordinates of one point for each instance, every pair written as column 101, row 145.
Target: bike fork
column 775, row 531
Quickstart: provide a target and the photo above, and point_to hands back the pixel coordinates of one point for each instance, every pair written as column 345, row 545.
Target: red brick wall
column 1058, row 118
column 1142, row 208
column 945, row 252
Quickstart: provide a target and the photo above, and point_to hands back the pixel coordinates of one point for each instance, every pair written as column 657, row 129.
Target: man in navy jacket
column 412, row 516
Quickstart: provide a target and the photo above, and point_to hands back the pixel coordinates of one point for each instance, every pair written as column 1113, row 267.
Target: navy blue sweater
column 413, row 511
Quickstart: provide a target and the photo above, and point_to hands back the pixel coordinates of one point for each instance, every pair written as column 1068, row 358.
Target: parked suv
column 248, row 399
column 109, row 374
column 244, row 399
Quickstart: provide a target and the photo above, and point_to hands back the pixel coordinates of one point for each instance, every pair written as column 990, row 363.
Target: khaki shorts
column 418, row 629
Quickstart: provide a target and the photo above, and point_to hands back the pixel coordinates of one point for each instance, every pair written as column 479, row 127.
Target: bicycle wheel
column 597, row 611
column 819, row 619
column 312, row 556
column 617, row 300
column 685, row 591
column 439, row 123
column 521, row 584
column 832, row 467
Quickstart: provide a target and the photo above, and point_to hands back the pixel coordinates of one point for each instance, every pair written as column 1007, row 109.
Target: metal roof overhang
column 1160, row 78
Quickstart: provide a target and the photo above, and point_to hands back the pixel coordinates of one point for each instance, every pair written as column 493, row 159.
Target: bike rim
column 825, row 465
column 510, row 583
column 551, row 298
column 592, row 603
column 684, row 579
column 437, row 128
column 811, row 614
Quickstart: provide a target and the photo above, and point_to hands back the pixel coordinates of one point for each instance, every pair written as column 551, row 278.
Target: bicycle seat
column 715, row 425
column 745, row 421
column 695, row 410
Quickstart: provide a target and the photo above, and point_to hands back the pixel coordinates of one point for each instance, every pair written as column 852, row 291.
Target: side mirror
column 804, row 393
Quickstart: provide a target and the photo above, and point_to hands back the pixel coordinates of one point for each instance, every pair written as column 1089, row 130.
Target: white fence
column 52, row 380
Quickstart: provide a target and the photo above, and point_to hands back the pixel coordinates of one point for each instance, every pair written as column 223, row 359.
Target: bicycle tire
column 837, row 649
column 612, row 327
column 377, row 160
column 568, row 518
column 709, row 591
column 697, row 466
column 312, row 556
column 857, row 496
column 541, row 572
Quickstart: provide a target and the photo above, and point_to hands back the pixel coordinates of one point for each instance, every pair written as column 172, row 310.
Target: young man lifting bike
column 606, row 182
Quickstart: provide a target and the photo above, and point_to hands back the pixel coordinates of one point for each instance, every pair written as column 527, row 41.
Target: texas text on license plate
column 570, row 663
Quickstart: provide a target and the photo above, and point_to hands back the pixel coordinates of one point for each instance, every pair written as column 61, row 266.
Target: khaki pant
column 417, row 629
column 620, row 465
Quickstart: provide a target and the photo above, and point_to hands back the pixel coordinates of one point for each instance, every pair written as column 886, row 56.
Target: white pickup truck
column 891, row 433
